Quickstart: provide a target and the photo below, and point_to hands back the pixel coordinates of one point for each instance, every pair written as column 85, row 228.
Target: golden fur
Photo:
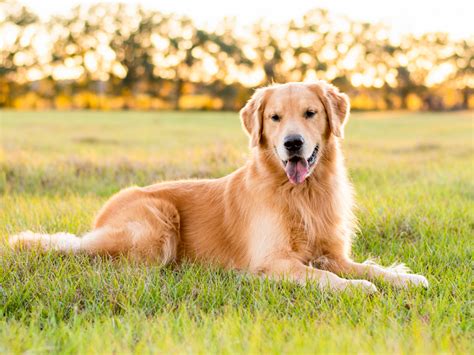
column 254, row 219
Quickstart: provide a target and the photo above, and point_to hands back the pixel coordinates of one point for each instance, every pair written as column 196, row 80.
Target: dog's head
column 293, row 123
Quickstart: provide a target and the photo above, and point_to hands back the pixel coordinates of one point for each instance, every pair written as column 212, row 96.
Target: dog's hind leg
column 146, row 229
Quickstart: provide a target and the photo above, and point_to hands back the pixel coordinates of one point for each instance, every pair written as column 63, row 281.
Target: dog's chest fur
column 305, row 228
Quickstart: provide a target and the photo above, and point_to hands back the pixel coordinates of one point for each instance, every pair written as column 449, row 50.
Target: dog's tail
column 60, row 242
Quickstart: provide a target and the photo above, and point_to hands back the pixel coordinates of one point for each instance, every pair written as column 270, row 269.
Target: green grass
column 415, row 190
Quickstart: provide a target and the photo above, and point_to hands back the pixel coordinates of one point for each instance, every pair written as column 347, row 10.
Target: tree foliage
column 142, row 58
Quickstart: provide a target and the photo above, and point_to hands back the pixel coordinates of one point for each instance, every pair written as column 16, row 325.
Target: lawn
column 414, row 177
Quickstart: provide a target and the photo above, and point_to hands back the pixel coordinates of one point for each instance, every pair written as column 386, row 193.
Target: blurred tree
column 189, row 54
column 132, row 44
column 462, row 77
column 267, row 48
column 308, row 48
column 17, row 25
column 142, row 58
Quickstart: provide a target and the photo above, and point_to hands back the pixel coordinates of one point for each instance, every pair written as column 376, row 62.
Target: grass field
column 414, row 176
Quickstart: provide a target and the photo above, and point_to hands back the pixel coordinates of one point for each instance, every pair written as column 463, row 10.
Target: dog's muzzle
column 297, row 168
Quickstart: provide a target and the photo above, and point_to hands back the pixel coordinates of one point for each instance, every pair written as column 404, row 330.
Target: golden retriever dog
column 286, row 214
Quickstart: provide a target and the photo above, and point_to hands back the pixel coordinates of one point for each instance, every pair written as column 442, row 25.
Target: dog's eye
column 275, row 118
column 309, row 113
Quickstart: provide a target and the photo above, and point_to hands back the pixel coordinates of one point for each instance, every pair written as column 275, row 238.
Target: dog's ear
column 337, row 106
column 252, row 116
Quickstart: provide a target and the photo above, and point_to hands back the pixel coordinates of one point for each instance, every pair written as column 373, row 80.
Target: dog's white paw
column 364, row 285
column 409, row 280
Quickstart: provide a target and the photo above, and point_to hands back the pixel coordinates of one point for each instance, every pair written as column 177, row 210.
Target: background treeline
column 117, row 56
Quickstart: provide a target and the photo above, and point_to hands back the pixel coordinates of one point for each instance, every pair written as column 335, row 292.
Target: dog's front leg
column 294, row 270
column 398, row 275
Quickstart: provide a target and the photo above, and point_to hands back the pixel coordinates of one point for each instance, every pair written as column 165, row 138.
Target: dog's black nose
column 293, row 142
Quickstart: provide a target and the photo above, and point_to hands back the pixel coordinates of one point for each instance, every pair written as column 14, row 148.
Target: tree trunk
column 465, row 97
column 178, row 92
column 404, row 97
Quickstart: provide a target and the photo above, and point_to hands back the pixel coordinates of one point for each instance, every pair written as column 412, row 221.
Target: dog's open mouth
column 297, row 167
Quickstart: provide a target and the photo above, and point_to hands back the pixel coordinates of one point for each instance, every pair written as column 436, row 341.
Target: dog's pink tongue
column 296, row 171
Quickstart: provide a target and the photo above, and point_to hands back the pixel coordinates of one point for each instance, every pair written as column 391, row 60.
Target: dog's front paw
column 409, row 280
column 363, row 285
column 366, row 286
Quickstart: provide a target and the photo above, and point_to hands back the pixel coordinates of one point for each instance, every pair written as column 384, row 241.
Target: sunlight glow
column 402, row 16
column 142, row 48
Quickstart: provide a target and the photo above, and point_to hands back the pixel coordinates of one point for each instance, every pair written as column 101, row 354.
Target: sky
column 413, row 16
